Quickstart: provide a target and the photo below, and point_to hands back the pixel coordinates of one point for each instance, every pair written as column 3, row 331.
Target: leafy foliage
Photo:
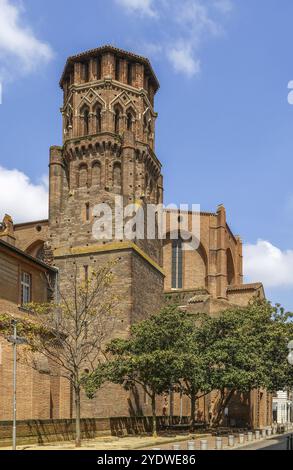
column 243, row 348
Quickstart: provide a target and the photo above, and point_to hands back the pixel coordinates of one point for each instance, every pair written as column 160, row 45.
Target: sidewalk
column 113, row 443
column 212, row 439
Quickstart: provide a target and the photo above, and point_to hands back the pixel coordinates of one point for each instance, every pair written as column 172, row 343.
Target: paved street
column 278, row 443
column 275, row 443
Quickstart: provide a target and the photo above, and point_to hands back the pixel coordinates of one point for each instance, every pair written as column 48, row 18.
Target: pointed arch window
column 117, row 116
column 230, row 268
column 177, row 258
column 129, row 121
column 98, row 118
column 85, row 117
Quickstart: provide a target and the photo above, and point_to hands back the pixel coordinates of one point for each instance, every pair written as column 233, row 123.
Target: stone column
column 239, row 273
column 55, row 184
column 221, row 253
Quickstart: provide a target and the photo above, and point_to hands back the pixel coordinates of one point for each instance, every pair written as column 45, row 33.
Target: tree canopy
column 241, row 349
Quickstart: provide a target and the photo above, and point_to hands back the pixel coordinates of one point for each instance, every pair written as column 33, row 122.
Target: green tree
column 147, row 358
column 195, row 369
column 247, row 349
column 160, row 354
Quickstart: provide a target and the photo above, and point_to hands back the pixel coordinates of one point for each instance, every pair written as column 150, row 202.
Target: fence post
column 191, row 445
column 176, row 447
column 203, row 444
column 219, row 443
column 241, row 438
column 231, row 441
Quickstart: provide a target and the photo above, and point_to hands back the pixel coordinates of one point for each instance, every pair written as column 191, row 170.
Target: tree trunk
column 193, row 409
column 224, row 401
column 77, row 417
column 154, row 415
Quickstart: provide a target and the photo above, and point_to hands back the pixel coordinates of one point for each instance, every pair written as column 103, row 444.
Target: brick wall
column 44, row 431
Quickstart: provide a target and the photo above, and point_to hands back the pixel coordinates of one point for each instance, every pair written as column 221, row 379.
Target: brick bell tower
column 108, row 150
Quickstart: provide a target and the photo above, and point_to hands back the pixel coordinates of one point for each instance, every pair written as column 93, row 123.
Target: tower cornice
column 109, row 48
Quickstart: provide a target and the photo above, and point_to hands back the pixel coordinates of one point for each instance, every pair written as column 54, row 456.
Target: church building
column 108, row 150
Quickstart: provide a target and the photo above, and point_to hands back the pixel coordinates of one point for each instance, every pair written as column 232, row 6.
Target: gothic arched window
column 177, row 258
column 85, row 118
column 117, row 116
column 83, row 176
column 96, row 174
column 129, row 121
column 98, row 118
column 230, row 268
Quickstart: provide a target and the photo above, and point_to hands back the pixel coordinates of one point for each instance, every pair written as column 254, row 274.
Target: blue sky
column 225, row 127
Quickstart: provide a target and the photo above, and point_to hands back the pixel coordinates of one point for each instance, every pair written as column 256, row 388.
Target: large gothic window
column 98, row 118
column 96, row 174
column 177, row 272
column 83, row 176
column 230, row 268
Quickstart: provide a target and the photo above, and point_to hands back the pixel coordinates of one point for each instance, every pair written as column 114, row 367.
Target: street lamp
column 290, row 355
column 15, row 340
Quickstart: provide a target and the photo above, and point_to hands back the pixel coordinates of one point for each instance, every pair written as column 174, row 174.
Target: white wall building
column 283, row 407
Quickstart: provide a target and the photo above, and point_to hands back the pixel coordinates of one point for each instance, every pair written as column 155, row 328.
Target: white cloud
column 20, row 50
column 21, row 198
column 266, row 263
column 195, row 15
column 144, row 7
column 183, row 60
column 182, row 27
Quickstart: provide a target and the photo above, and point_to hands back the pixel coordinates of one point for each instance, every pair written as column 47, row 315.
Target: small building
column 283, row 407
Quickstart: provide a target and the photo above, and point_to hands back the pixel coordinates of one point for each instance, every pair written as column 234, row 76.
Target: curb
column 170, row 441
column 247, row 444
